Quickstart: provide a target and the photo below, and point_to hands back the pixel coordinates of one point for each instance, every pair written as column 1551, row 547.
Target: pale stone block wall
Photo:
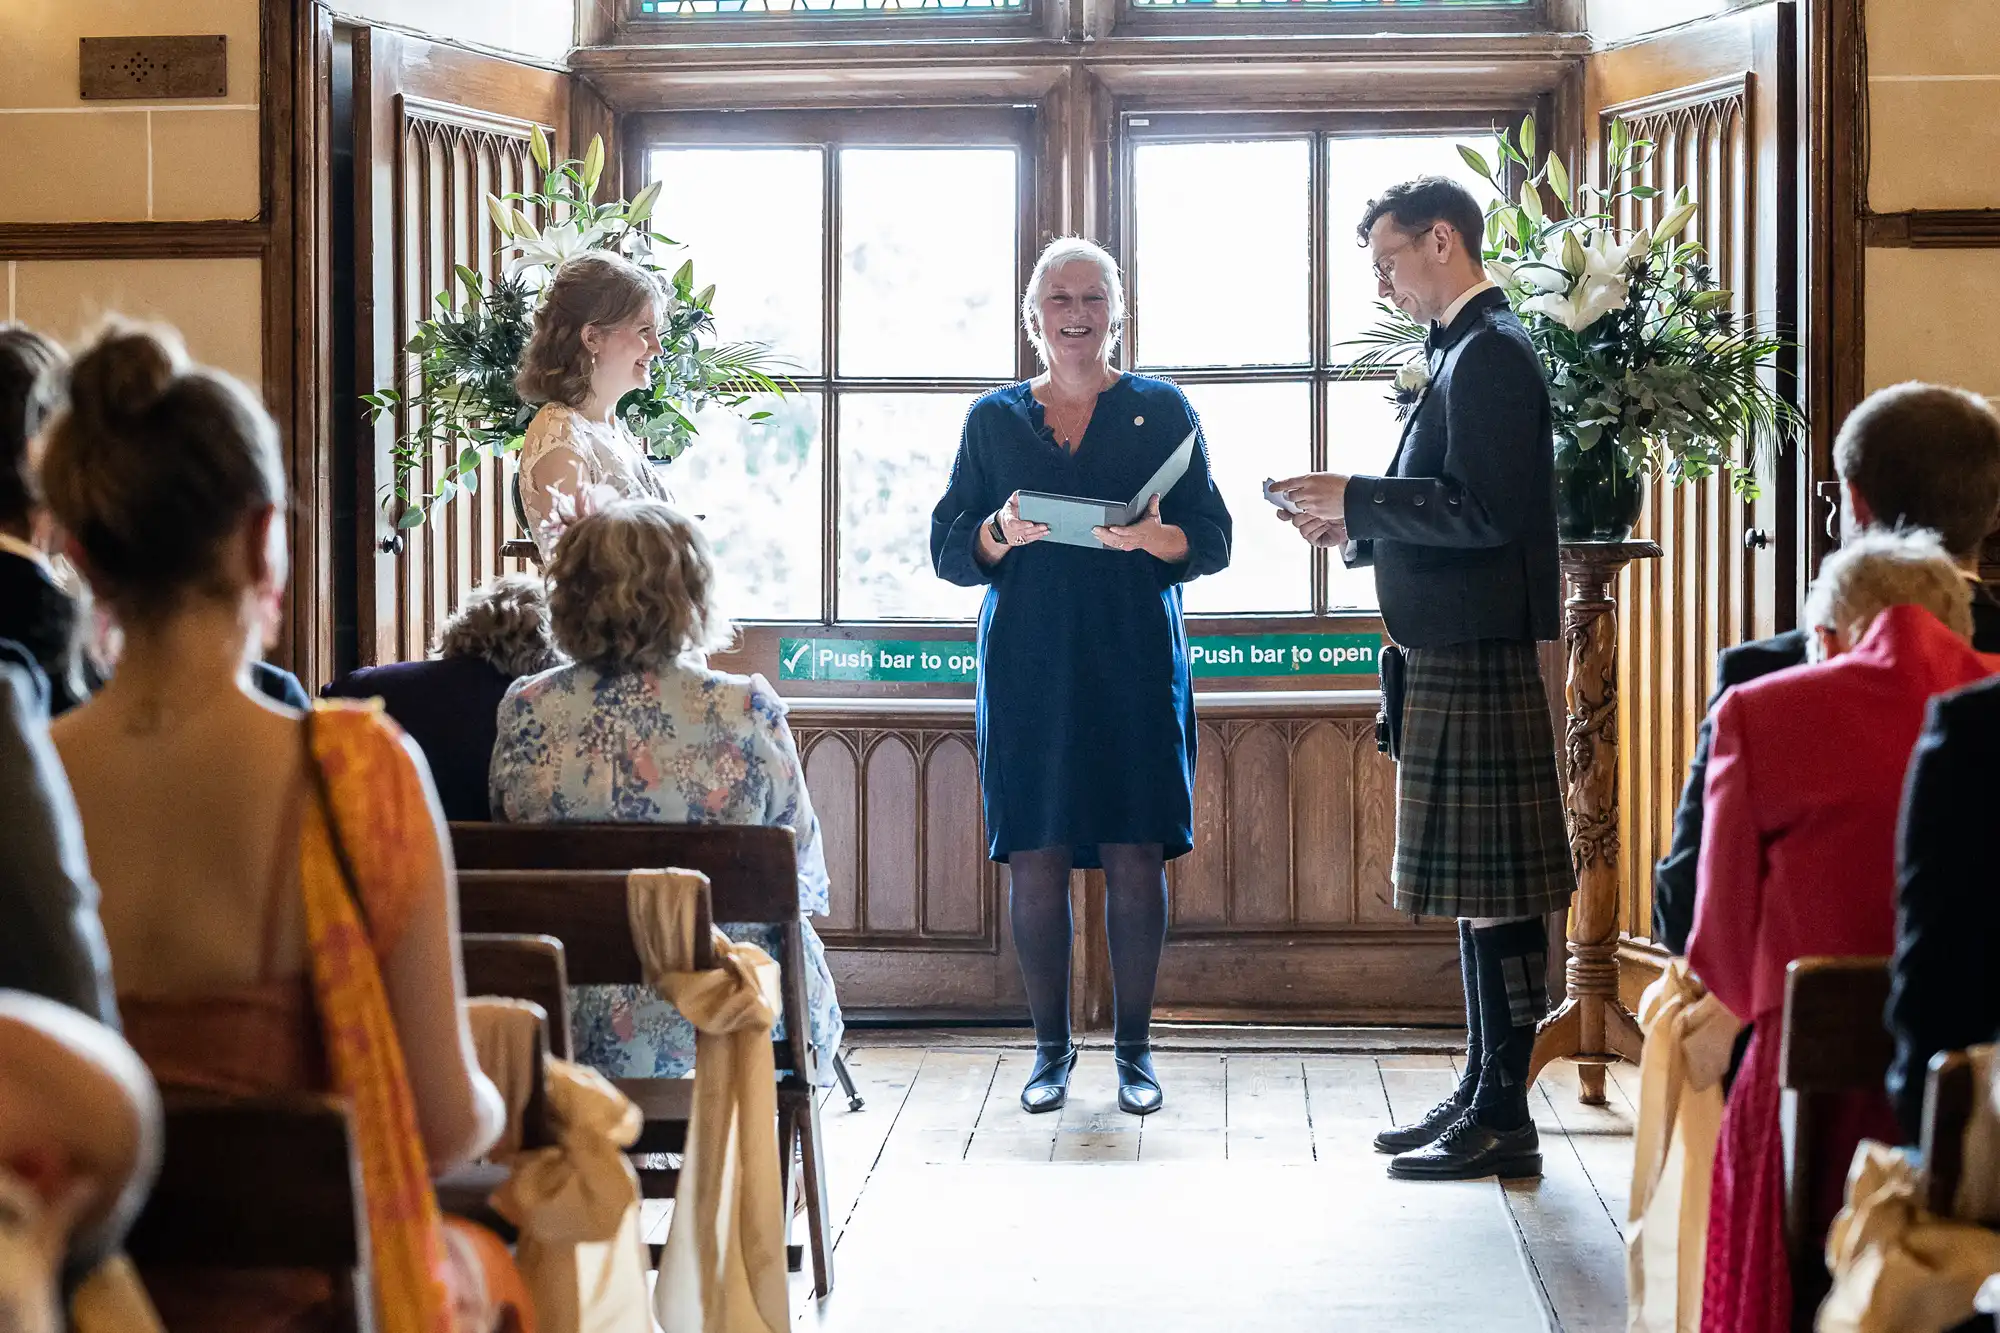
column 65, row 160
column 1934, row 142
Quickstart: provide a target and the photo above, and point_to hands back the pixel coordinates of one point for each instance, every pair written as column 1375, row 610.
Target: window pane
column 1255, row 431
column 896, row 451
column 1403, row 5
column 756, row 485
column 1361, row 435
column 1358, row 170
column 751, row 219
column 1221, row 253
column 927, row 263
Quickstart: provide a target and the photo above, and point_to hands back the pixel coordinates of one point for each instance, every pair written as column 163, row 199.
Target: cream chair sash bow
column 723, row 1270
column 576, row 1202
column 1689, row 1035
column 1896, row 1268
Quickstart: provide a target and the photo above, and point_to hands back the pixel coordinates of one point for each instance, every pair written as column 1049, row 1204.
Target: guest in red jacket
column 1799, row 858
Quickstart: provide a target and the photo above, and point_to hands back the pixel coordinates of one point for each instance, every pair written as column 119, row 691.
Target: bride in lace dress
column 595, row 338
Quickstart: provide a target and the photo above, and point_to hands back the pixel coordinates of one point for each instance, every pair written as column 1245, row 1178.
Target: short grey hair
column 1879, row 569
column 631, row 588
column 1068, row 250
column 505, row 622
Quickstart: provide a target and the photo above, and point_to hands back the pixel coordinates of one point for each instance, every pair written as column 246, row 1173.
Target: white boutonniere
column 1410, row 382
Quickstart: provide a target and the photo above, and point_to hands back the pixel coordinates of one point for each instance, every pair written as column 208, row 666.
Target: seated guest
column 1804, row 778
column 447, row 704
column 1944, row 987
column 36, row 611
column 277, row 889
column 79, row 1146
column 50, row 941
column 637, row 729
column 1914, row 456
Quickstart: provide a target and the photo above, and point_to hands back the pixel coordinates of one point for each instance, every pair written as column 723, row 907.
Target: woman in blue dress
column 1086, row 707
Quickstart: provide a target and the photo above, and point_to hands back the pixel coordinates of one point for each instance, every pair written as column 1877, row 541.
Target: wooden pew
column 261, row 1183
column 1949, row 1095
column 753, row 877
column 1835, row 1042
column 517, row 967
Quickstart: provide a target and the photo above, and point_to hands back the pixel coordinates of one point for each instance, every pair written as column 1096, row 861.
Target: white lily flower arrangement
column 458, row 406
column 1645, row 357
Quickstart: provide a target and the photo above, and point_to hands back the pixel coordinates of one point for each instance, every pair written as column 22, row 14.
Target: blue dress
column 681, row 745
column 1086, row 706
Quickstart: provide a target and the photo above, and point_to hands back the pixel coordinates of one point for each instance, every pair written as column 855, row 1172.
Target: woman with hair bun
column 276, row 886
column 595, row 338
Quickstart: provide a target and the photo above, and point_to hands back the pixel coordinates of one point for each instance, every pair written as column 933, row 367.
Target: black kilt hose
column 1480, row 829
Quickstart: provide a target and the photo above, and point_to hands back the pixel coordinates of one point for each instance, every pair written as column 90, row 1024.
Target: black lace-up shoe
column 1470, row 1151
column 1048, row 1086
column 1425, row 1129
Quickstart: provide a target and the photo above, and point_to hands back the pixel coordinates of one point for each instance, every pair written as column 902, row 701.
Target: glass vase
column 1597, row 500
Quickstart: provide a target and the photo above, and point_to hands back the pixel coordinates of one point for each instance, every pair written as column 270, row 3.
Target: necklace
column 1069, row 423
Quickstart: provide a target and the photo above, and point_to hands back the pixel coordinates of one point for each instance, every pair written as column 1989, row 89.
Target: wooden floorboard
column 1252, row 1199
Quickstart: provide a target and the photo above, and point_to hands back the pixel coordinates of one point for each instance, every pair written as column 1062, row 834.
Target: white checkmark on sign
column 798, row 656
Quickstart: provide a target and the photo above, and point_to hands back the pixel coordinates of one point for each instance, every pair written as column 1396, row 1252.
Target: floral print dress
column 682, row 745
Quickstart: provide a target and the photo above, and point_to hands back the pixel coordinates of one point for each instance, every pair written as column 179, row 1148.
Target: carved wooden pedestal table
column 1592, row 1027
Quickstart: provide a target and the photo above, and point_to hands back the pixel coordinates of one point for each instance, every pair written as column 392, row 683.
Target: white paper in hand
column 1279, row 498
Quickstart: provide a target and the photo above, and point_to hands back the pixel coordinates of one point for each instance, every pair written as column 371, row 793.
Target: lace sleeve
column 552, row 463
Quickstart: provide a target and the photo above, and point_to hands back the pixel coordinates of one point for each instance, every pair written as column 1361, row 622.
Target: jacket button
column 1381, row 498
column 1417, row 500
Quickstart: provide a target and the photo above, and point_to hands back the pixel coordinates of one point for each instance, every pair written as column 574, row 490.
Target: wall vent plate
column 154, row 68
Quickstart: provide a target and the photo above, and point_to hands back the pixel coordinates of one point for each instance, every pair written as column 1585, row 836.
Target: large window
column 883, row 257
column 1247, row 278
column 886, row 273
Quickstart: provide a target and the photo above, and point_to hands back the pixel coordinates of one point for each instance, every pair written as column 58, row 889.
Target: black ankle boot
column 1138, row 1086
column 1048, row 1086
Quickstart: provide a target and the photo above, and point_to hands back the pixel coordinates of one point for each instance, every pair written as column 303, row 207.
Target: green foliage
column 1643, row 351
column 458, row 406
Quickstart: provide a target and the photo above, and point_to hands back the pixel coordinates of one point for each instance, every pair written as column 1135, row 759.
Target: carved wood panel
column 1709, row 100
column 1282, row 909
column 448, row 159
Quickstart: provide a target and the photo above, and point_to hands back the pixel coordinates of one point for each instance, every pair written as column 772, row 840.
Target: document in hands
column 1071, row 517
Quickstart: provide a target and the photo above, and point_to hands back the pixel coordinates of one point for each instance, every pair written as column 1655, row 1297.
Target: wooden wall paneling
column 890, row 853
column 833, row 780
column 954, row 852
column 1198, row 883
column 438, row 129
column 1708, row 97
column 1374, row 805
column 1323, row 826
column 1260, row 825
column 917, row 924
column 294, row 94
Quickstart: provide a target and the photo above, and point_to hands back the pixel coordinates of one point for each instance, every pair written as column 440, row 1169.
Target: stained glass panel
column 755, row 8
column 1404, row 5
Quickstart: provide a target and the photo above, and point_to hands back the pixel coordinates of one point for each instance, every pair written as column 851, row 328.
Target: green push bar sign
column 951, row 662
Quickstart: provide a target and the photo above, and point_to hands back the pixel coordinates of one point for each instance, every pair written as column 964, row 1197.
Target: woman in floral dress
column 636, row 729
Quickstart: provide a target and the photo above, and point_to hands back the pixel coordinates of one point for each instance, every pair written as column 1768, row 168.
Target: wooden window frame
column 1013, row 127
column 1138, row 125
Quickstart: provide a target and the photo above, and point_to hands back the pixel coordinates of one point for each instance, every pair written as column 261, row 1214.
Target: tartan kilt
column 1480, row 829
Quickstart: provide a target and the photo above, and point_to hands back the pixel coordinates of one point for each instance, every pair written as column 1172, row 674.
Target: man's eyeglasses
column 1386, row 264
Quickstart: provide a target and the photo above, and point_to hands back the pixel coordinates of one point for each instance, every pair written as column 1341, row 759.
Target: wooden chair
column 517, row 967
column 522, row 547
column 753, row 877
column 1834, row 1043
column 261, row 1183
column 1949, row 1096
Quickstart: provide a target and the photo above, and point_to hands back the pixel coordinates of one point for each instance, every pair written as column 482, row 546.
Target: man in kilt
column 1462, row 535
